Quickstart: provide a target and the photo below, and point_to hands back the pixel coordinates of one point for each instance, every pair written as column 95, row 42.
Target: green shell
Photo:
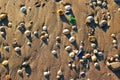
column 72, row 20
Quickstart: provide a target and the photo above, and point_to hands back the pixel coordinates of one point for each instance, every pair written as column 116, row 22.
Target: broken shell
column 94, row 58
column 5, row 63
column 72, row 39
column 93, row 45
column 95, row 51
column 66, row 31
column 59, row 73
column 17, row 49
column 68, row 48
column 67, row 7
column 54, row 52
column 114, row 41
column 71, row 54
column 7, row 77
column 3, row 16
column 113, row 35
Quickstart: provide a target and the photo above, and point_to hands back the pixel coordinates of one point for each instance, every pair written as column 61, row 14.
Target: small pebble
column 94, row 58
column 73, row 65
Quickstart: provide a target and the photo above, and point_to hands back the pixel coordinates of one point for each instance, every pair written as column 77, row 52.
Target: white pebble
column 59, row 73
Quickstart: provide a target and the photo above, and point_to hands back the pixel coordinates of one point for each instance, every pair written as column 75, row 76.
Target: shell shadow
column 4, row 22
column 64, row 19
column 28, row 70
column 117, row 73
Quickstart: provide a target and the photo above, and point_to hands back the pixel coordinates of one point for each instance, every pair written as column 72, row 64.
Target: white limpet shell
column 72, row 39
column 5, row 62
column 17, row 49
column 66, row 31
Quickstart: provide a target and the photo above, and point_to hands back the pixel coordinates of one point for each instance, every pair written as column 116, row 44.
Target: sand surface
column 39, row 54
